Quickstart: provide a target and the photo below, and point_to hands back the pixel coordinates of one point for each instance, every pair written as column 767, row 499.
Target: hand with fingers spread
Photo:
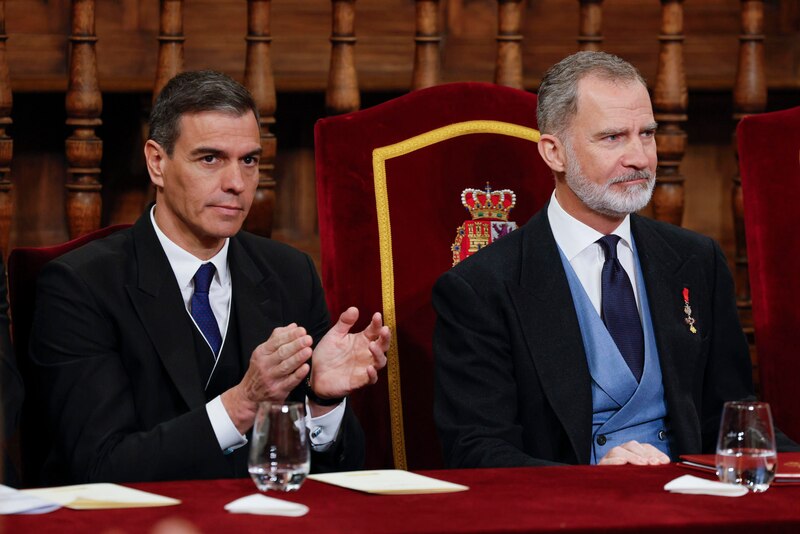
column 633, row 452
column 345, row 361
column 276, row 367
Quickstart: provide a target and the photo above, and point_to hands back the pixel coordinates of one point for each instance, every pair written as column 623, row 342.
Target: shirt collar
column 184, row 264
column 573, row 237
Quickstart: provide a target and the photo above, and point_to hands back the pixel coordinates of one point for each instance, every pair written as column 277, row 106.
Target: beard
column 601, row 198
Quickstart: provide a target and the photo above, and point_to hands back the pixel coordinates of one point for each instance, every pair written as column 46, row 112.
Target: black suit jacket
column 124, row 392
column 512, row 381
column 11, row 388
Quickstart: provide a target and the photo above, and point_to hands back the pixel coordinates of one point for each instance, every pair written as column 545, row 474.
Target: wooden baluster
column 6, row 144
column 590, row 31
column 427, row 61
column 454, row 17
column 170, row 44
column 258, row 78
column 749, row 96
column 342, row 94
column 508, row 69
column 84, row 103
column 170, row 60
column 670, row 101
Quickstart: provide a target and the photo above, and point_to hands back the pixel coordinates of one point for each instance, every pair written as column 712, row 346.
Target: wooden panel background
column 215, row 29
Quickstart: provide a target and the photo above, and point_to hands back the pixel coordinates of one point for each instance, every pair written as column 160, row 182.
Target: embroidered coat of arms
column 490, row 210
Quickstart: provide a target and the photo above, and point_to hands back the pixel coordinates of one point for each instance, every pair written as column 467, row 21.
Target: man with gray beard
column 591, row 335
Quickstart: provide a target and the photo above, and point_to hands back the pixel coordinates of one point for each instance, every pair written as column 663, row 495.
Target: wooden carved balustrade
column 508, row 70
column 427, row 62
column 342, row 94
column 170, row 43
column 670, row 99
column 590, row 29
column 170, row 57
column 258, row 78
column 749, row 96
column 84, row 104
column 6, row 144
column 451, row 40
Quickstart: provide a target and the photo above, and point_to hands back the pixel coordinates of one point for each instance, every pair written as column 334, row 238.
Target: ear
column 155, row 158
column 553, row 152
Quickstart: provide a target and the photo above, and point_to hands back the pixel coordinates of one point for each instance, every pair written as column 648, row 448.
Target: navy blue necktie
column 619, row 311
column 201, row 308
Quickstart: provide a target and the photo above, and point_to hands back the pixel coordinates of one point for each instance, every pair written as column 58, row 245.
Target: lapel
column 666, row 272
column 157, row 301
column 256, row 297
column 550, row 326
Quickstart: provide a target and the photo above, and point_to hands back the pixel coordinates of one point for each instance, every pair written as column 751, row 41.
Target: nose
column 233, row 180
column 637, row 153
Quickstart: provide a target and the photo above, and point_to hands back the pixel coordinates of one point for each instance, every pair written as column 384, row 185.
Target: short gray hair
column 558, row 92
column 196, row 92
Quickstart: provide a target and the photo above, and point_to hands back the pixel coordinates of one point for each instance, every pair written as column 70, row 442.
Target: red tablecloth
column 573, row 498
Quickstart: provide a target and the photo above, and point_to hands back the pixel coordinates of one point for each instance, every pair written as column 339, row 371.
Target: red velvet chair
column 24, row 265
column 769, row 148
column 389, row 185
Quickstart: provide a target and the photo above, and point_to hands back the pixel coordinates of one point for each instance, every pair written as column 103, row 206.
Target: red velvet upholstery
column 420, row 213
column 24, row 265
column 769, row 147
column 574, row 499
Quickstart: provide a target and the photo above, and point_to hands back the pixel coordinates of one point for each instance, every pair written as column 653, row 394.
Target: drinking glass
column 279, row 457
column 746, row 445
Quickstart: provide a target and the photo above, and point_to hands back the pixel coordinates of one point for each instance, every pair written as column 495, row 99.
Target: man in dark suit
column 590, row 335
column 157, row 343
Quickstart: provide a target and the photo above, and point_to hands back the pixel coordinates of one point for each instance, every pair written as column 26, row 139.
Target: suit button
column 601, row 440
column 662, row 435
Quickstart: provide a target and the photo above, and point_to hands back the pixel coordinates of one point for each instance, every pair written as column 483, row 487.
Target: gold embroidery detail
column 478, row 236
column 379, row 157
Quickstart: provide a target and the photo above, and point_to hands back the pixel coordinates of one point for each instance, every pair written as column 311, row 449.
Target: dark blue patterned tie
column 619, row 310
column 201, row 308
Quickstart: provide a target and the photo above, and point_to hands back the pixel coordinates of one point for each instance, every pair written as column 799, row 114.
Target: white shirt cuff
column 323, row 429
column 228, row 437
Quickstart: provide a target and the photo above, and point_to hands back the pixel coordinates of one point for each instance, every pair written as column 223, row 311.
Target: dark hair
column 195, row 92
column 558, row 92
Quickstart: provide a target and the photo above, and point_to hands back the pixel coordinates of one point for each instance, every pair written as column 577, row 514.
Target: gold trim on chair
column 379, row 157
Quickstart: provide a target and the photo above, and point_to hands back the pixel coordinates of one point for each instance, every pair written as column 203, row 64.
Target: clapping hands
column 345, row 361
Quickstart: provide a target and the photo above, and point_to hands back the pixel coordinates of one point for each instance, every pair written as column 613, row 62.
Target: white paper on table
column 100, row 496
column 263, row 505
column 699, row 486
column 13, row 501
column 388, row 482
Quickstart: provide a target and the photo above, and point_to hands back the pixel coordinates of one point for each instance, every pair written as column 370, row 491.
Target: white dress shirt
column 323, row 429
column 578, row 242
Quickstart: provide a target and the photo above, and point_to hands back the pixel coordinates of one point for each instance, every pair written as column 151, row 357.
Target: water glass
column 279, row 457
column 746, row 446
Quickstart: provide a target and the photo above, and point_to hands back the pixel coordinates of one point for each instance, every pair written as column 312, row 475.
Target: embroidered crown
column 488, row 204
